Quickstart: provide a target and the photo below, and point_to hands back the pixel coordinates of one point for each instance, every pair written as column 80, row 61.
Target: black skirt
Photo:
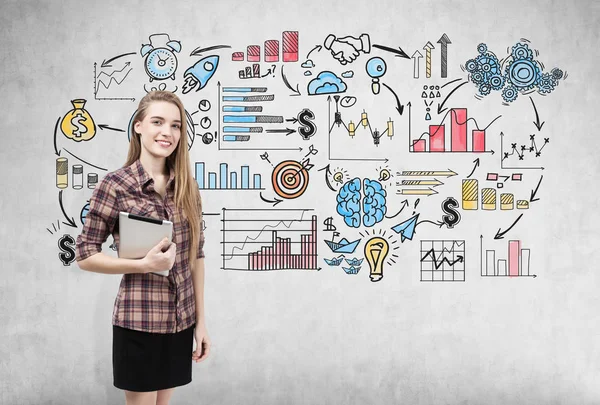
column 145, row 361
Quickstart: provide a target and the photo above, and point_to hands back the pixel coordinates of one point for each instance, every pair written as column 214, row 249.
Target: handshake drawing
column 347, row 49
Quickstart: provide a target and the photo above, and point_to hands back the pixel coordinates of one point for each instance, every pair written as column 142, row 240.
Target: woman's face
column 160, row 129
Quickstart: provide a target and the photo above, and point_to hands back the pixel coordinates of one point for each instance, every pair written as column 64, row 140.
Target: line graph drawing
column 442, row 260
column 521, row 152
column 269, row 239
column 112, row 79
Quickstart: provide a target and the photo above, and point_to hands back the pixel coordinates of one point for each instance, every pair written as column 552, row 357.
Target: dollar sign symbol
column 329, row 224
column 308, row 127
column 448, row 207
column 76, row 122
column 67, row 255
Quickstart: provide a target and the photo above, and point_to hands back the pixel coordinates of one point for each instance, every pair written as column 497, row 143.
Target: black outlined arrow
column 55, row 131
column 534, row 192
column 537, row 117
column 71, row 222
column 106, row 63
column 275, row 201
column 287, row 84
column 440, row 109
column 444, row 40
column 316, row 48
column 500, row 235
column 404, row 205
column 400, row 107
column 416, row 56
column 327, row 174
column 399, row 53
column 104, row 126
column 476, row 161
column 285, row 131
column 198, row 51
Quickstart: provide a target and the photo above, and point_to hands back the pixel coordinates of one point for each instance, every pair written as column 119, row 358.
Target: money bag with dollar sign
column 78, row 124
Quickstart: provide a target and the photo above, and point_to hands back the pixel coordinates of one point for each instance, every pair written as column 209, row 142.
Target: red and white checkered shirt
column 145, row 302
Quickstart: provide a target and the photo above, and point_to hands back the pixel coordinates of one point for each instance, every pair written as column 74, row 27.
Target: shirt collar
column 144, row 178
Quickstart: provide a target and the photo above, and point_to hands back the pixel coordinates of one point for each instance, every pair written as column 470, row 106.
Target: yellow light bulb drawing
column 384, row 175
column 376, row 250
column 338, row 177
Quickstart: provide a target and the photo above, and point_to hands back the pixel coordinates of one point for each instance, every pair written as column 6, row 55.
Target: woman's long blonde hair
column 187, row 195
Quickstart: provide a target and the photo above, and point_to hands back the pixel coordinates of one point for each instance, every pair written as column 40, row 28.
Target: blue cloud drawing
column 308, row 64
column 326, row 83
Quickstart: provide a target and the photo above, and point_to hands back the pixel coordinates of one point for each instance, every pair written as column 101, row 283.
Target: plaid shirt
column 145, row 302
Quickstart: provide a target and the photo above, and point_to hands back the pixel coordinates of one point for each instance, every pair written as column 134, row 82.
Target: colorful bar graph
column 227, row 180
column 516, row 265
column 469, row 194
column 514, row 257
column 271, row 50
column 525, row 254
column 257, row 181
column 507, row 201
column 437, row 138
column 478, row 140
column 290, row 46
column 278, row 255
column 457, row 139
column 501, row 267
column 253, row 53
column 488, row 198
column 419, row 145
column 200, row 174
column 245, row 177
column 212, row 180
column 223, row 176
column 459, row 130
column 490, row 263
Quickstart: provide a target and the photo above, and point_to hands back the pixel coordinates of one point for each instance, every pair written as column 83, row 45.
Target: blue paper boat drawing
column 342, row 246
column 406, row 229
column 351, row 270
column 335, row 261
column 354, row 261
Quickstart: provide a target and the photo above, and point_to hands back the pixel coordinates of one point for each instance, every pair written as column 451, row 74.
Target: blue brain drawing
column 373, row 203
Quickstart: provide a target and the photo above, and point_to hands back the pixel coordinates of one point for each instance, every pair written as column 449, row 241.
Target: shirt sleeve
column 201, row 239
column 99, row 221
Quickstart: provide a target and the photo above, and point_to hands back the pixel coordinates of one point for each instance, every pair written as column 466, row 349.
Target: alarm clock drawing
column 161, row 62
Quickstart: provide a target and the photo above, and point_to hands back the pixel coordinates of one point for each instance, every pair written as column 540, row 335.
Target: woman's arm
column 198, row 281
column 103, row 263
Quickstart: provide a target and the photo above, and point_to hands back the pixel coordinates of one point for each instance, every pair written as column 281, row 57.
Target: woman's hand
column 202, row 343
column 159, row 258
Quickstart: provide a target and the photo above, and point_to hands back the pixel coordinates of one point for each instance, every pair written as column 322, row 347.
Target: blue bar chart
column 225, row 179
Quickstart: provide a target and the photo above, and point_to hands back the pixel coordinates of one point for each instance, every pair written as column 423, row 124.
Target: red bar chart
column 452, row 137
column 272, row 51
column 516, row 264
column 261, row 240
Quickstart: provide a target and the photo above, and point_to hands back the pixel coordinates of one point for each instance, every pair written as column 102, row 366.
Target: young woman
column 155, row 318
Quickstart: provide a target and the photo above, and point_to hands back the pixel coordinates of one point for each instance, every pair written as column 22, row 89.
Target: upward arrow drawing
column 444, row 40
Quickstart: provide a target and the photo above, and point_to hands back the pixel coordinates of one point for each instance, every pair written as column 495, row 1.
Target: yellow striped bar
column 507, row 201
column 488, row 199
column 470, row 189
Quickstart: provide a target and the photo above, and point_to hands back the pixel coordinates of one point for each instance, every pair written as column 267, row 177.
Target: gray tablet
column 138, row 235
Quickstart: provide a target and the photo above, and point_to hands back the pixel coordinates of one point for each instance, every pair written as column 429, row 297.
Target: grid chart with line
column 442, row 260
column 269, row 239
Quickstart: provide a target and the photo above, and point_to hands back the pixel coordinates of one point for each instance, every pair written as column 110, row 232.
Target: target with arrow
column 290, row 178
